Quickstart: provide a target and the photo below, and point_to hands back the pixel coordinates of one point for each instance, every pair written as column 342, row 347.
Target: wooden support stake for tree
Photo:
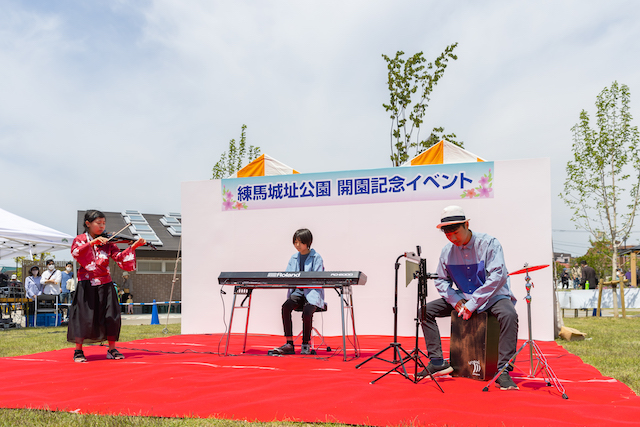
column 599, row 299
column 634, row 277
column 622, row 280
column 614, row 286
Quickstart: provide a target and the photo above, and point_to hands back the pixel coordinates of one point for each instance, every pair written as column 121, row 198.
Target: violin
column 117, row 238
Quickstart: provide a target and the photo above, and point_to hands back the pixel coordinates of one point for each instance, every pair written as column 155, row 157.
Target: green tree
column 598, row 257
column 603, row 178
column 405, row 79
column 234, row 160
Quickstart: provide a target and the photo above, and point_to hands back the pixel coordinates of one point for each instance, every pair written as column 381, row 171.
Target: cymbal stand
column 542, row 365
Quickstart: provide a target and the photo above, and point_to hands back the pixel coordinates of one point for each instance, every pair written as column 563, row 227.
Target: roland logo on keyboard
column 285, row 275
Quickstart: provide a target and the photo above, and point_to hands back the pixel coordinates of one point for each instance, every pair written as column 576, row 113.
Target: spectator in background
column 126, row 289
column 589, row 278
column 565, row 279
column 12, row 288
column 4, row 286
column 51, row 279
column 65, row 293
column 14, row 282
column 130, row 306
column 32, row 284
column 15, row 287
column 576, row 274
column 128, row 283
column 71, row 287
column 67, row 274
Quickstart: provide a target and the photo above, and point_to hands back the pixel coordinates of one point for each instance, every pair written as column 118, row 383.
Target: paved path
column 145, row 319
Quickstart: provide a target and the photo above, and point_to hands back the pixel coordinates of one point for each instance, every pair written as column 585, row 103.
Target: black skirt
column 94, row 315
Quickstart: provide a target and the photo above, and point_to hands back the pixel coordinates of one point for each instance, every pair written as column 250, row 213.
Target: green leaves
column 406, row 78
column 233, row 161
column 604, row 175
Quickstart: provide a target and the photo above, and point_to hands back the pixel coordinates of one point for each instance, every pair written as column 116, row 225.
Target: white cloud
column 114, row 104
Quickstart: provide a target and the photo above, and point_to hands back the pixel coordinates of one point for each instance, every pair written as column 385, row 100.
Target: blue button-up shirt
column 312, row 263
column 478, row 271
column 65, row 276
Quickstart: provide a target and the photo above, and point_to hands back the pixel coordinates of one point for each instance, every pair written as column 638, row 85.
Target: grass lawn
column 17, row 342
column 612, row 346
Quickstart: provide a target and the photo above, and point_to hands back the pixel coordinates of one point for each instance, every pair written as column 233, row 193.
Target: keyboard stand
column 346, row 309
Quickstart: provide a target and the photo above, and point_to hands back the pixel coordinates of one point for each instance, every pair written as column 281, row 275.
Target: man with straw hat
column 472, row 277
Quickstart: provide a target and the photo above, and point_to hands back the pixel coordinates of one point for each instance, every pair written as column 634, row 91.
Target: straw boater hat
column 452, row 215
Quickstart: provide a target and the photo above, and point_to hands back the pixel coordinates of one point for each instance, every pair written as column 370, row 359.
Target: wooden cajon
column 474, row 346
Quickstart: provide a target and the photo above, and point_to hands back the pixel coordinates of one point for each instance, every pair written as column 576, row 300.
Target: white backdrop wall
column 366, row 237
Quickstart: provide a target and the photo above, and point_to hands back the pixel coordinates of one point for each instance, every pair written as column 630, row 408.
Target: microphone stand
column 395, row 345
column 416, row 353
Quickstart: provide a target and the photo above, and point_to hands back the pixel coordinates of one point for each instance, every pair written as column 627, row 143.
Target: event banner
column 401, row 184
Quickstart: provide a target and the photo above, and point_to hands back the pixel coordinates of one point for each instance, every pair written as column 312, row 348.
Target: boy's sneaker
column 114, row 354
column 505, row 382
column 436, row 370
column 305, row 349
column 78, row 356
column 285, row 349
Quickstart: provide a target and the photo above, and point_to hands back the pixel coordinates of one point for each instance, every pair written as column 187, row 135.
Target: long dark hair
column 91, row 215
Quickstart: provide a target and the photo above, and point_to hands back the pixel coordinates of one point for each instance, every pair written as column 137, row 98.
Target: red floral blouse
column 94, row 260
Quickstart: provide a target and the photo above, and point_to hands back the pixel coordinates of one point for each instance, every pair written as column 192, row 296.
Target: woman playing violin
column 95, row 313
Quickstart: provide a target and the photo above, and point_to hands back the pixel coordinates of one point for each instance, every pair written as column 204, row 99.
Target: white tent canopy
column 21, row 237
column 264, row 165
column 443, row 152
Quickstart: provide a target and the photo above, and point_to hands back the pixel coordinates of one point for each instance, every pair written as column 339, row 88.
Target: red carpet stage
column 179, row 377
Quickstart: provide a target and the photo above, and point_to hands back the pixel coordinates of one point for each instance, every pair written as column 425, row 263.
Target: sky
column 110, row 105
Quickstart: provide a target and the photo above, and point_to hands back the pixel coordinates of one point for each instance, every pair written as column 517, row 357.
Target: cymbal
column 533, row 268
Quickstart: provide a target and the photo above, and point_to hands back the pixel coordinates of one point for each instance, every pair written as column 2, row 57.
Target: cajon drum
column 474, row 346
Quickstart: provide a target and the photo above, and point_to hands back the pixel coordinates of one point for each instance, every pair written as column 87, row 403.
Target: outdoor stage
column 182, row 376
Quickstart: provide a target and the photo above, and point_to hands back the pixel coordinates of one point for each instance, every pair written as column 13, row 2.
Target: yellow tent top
column 264, row 165
column 443, row 152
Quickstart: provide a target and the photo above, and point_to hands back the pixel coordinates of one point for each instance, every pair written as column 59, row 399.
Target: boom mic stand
column 395, row 345
column 541, row 363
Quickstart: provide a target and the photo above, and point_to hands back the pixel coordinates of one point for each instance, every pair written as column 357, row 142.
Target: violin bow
column 117, row 232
